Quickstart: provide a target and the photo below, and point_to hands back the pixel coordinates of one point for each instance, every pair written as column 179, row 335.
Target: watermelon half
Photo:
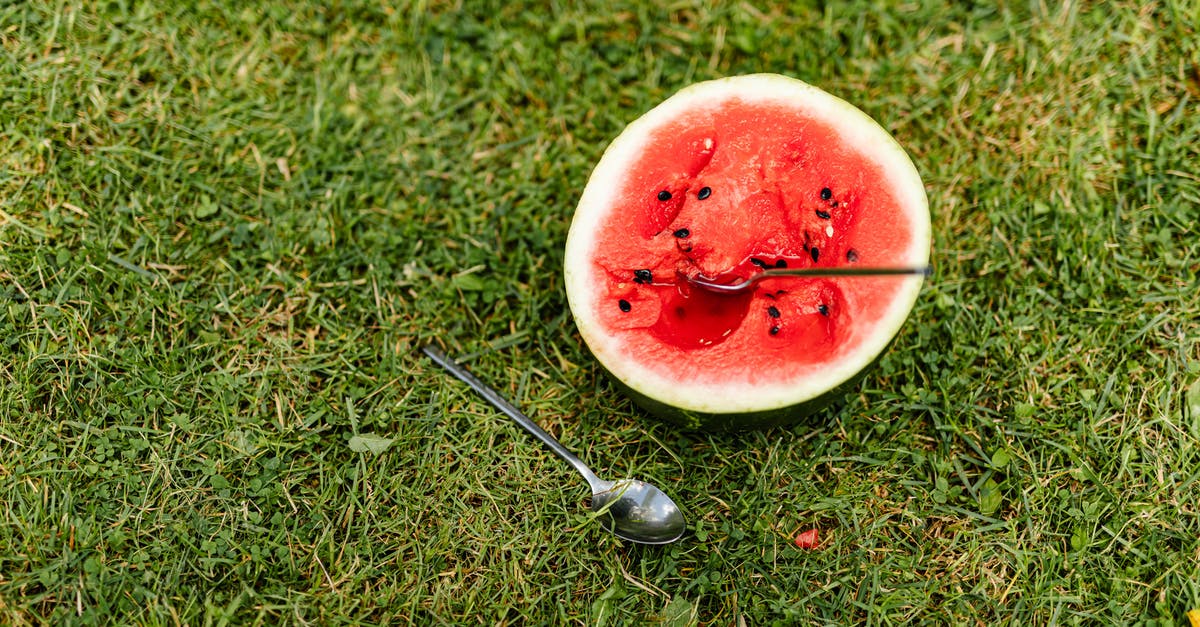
column 722, row 179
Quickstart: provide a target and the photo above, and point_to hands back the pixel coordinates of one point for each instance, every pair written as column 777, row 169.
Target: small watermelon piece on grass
column 808, row 539
column 726, row 178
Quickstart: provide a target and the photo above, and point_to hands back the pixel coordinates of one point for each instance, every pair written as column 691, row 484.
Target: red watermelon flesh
column 764, row 208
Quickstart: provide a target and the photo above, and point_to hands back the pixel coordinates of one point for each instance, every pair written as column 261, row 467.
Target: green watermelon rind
column 741, row 407
column 749, row 420
column 762, row 419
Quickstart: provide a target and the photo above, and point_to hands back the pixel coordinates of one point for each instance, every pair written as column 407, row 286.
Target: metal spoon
column 631, row 509
column 711, row 285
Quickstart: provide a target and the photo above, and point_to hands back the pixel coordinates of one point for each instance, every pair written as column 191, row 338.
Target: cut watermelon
column 723, row 179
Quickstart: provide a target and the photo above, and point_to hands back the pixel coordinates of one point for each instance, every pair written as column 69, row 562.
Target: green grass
column 225, row 231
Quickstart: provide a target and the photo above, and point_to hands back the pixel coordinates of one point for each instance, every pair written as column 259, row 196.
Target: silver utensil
column 743, row 285
column 631, row 509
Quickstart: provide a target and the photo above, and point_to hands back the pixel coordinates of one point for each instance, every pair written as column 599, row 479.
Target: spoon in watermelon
column 633, row 510
column 712, row 285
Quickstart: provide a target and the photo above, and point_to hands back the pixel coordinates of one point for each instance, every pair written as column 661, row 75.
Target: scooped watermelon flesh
column 726, row 179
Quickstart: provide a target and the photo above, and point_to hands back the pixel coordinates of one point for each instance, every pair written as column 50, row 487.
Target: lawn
column 227, row 228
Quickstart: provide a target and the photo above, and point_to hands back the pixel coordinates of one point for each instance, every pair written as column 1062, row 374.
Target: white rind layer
column 733, row 397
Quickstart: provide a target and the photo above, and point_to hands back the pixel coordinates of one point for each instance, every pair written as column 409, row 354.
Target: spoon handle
column 842, row 271
column 511, row 411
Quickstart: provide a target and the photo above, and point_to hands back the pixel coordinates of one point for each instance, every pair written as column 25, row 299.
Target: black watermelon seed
column 624, row 305
column 826, row 193
column 774, row 330
column 682, row 233
column 815, row 252
column 823, row 308
column 758, row 262
column 664, row 195
column 824, row 215
column 851, row 256
column 642, row 276
column 780, row 263
column 773, row 311
column 834, row 204
column 705, row 192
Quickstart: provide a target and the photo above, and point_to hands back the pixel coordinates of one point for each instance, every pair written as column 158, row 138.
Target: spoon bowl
column 632, row 510
column 637, row 511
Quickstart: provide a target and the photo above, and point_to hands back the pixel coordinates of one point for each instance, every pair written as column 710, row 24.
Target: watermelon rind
column 739, row 405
